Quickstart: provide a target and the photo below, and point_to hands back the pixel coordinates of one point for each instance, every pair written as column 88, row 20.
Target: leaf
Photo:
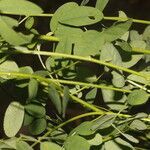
column 59, row 13
column 139, row 79
column 32, row 88
column 83, row 129
column 8, row 143
column 101, row 4
column 91, row 95
column 138, row 125
column 38, row 126
column 96, row 140
column 118, row 144
column 28, row 119
column 10, row 36
column 110, row 54
column 21, row 145
column 55, row 98
column 9, row 66
column 35, row 109
column 116, row 31
column 125, row 46
column 76, row 143
column 137, row 97
column 102, row 122
column 65, row 100
column 21, row 7
column 118, row 79
column 13, row 119
column 86, row 46
column 49, row 146
column 84, row 2
column 130, row 138
column 81, row 16
column 29, row 23
column 114, row 100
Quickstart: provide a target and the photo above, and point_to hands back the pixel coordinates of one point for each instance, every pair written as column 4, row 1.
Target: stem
column 88, row 59
column 139, row 50
column 49, row 38
column 125, row 19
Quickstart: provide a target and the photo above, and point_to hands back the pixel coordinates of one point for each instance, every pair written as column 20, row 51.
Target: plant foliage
column 98, row 71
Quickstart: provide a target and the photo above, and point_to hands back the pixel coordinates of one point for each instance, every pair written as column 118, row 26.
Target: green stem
column 125, row 19
column 48, row 38
column 68, row 82
column 88, row 59
column 139, row 50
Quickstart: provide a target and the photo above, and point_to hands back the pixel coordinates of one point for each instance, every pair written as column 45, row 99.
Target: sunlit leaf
column 13, row 119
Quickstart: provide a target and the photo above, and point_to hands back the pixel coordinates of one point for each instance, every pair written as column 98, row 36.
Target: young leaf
column 36, row 110
column 65, row 100
column 38, row 126
column 21, row 7
column 13, row 119
column 55, row 98
column 21, row 145
column 29, row 23
column 32, row 88
column 81, row 16
column 76, row 143
column 49, row 146
column 138, row 97
column 101, row 4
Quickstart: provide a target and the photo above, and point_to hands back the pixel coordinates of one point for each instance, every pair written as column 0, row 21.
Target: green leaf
column 139, row 79
column 102, row 122
column 138, row 125
column 86, row 46
column 114, row 100
column 65, row 100
column 49, row 146
column 130, row 138
column 9, row 66
column 8, row 143
column 146, row 34
column 125, row 46
column 32, row 88
column 35, row 109
column 11, row 22
column 118, row 144
column 116, row 31
column 91, row 95
column 13, row 119
column 21, row 145
column 96, row 140
column 101, row 4
column 29, row 23
column 81, row 16
column 28, row 119
column 21, row 7
column 38, row 126
column 110, row 54
column 76, row 143
column 118, row 79
column 59, row 13
column 83, row 129
column 137, row 97
column 55, row 98
column 10, row 36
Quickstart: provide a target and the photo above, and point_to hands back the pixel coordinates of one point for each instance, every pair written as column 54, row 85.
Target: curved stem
column 88, row 59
